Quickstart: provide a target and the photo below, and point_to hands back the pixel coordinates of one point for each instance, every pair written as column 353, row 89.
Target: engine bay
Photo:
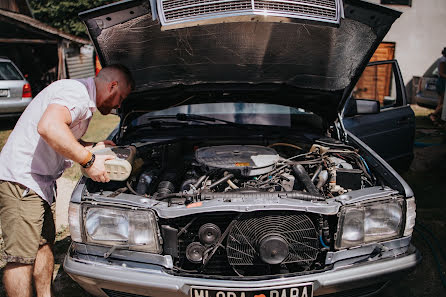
column 240, row 231
column 184, row 172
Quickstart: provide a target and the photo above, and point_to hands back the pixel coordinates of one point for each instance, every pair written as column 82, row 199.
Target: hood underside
column 246, row 48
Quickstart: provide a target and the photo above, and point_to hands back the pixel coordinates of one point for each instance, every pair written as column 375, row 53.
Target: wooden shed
column 38, row 49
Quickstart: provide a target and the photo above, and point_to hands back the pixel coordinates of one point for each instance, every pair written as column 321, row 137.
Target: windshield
column 240, row 113
column 9, row 72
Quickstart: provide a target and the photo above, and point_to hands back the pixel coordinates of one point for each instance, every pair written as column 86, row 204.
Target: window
column 8, row 72
column 378, row 83
column 397, row 2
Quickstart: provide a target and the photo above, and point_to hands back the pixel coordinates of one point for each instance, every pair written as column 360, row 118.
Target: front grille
column 112, row 293
column 308, row 10
column 247, row 242
column 203, row 8
column 178, row 11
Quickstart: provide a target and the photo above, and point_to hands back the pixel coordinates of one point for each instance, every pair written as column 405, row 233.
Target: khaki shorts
column 27, row 222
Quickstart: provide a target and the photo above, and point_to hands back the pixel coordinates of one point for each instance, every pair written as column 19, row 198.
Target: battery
column 349, row 178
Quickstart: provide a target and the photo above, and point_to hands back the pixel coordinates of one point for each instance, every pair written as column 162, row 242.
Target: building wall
column 419, row 35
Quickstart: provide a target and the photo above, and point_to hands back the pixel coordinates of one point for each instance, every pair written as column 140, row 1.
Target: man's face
column 113, row 98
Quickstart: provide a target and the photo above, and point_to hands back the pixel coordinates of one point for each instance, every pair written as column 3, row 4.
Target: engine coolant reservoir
column 118, row 169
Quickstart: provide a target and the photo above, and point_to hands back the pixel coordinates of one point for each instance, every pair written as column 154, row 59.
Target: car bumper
column 123, row 278
column 426, row 101
column 13, row 107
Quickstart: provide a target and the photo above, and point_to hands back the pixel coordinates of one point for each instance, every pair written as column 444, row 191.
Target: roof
column 20, row 6
column 17, row 17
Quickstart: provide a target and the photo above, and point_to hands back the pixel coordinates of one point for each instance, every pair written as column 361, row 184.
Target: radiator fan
column 267, row 243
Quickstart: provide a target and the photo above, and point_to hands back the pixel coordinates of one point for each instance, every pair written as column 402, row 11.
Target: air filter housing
column 247, row 160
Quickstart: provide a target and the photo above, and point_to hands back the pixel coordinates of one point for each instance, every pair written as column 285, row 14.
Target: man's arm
column 53, row 127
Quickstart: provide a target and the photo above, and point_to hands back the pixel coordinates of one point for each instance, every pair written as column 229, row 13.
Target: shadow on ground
column 7, row 123
column 63, row 284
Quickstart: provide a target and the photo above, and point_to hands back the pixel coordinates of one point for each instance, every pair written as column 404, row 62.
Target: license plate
column 3, row 93
column 301, row 290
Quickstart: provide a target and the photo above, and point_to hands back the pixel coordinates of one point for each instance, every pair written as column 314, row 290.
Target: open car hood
column 312, row 55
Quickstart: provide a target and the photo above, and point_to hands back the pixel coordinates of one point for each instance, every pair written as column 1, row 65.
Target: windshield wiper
column 182, row 118
column 201, row 118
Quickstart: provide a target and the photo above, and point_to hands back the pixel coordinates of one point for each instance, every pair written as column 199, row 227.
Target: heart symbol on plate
column 261, row 295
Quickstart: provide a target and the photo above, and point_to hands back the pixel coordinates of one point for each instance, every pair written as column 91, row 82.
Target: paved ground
column 427, row 178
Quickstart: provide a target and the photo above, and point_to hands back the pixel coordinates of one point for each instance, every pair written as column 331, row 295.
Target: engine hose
column 199, row 181
column 286, row 144
column 131, row 189
column 292, row 195
column 303, row 176
column 231, row 184
column 322, row 242
column 316, row 173
column 221, row 180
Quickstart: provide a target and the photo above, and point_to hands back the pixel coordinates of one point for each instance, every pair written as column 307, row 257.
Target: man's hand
column 103, row 144
column 97, row 171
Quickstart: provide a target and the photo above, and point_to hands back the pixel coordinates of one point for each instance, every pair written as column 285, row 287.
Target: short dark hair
column 126, row 72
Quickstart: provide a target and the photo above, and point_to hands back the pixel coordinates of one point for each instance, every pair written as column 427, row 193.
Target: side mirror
column 362, row 106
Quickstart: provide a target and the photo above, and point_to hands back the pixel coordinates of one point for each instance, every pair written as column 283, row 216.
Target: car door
column 390, row 130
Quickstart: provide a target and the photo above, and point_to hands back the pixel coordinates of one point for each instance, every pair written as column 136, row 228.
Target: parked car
column 426, row 93
column 235, row 173
column 15, row 91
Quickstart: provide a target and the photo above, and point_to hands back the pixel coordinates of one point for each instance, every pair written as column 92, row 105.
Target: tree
column 63, row 15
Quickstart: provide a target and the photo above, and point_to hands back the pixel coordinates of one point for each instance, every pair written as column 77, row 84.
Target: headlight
column 370, row 223
column 114, row 226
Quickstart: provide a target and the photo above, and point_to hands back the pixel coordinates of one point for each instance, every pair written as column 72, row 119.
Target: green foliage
column 63, row 15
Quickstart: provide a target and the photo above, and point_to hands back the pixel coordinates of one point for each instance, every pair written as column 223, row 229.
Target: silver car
column 15, row 91
column 237, row 173
column 426, row 92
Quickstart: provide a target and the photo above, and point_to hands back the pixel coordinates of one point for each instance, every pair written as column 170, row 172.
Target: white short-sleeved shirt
column 26, row 158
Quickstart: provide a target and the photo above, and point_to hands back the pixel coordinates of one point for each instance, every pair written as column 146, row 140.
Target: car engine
column 319, row 172
column 244, row 243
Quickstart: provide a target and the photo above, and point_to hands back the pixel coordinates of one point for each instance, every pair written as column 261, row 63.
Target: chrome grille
column 291, row 7
column 205, row 8
column 180, row 11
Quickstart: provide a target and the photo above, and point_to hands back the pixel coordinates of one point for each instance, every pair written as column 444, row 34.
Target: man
column 440, row 88
column 47, row 135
